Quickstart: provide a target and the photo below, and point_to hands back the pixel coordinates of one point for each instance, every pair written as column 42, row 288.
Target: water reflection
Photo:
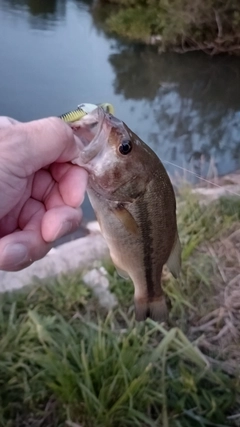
column 36, row 7
column 42, row 14
column 44, row 9
column 192, row 103
column 187, row 107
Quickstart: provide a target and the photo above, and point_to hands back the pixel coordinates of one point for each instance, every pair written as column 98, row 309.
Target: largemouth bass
column 135, row 205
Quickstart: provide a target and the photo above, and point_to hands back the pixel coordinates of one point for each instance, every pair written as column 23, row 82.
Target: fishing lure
column 83, row 109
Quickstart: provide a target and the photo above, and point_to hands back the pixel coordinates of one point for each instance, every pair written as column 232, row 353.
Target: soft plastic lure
column 83, row 109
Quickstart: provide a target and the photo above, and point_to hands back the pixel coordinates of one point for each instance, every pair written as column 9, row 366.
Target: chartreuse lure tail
column 83, row 109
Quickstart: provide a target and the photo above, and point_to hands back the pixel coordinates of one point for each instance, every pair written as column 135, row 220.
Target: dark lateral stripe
column 147, row 239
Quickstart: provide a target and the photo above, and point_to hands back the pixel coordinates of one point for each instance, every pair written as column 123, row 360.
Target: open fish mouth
column 89, row 128
column 90, row 123
column 87, row 123
column 93, row 120
column 87, row 120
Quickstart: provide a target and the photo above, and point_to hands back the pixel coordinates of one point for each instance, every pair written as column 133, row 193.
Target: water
column 54, row 55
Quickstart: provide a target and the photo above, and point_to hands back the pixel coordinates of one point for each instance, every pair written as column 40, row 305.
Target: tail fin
column 156, row 309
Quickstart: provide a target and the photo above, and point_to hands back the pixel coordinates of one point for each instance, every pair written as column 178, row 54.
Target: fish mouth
column 92, row 134
column 89, row 127
column 93, row 131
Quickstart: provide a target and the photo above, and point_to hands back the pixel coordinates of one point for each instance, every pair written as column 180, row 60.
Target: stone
column 69, row 257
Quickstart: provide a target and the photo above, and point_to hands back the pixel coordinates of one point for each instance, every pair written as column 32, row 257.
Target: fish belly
column 139, row 246
column 124, row 246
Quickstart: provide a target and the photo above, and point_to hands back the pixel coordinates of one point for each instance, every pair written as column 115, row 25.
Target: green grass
column 182, row 25
column 64, row 360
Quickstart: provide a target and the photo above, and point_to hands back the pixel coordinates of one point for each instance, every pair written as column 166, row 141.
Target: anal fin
column 174, row 260
column 122, row 273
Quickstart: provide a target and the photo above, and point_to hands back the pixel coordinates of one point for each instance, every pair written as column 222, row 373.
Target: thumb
column 36, row 144
column 7, row 121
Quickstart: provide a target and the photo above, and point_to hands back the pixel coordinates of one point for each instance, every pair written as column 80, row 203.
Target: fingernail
column 65, row 228
column 14, row 255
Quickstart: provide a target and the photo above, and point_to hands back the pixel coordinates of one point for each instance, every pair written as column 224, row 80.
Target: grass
column 64, row 361
column 181, row 25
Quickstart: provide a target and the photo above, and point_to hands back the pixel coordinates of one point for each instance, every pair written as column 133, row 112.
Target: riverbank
column 68, row 359
column 211, row 26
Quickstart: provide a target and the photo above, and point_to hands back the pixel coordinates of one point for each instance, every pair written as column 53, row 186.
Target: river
column 55, row 54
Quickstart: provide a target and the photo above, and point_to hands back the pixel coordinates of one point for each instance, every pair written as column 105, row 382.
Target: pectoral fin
column 126, row 219
column 174, row 261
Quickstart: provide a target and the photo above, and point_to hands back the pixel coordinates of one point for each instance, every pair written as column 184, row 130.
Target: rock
column 97, row 280
column 93, row 227
column 227, row 185
column 211, row 194
column 219, row 191
column 78, row 254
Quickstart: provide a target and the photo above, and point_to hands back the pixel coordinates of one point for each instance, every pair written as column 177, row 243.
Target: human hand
column 40, row 191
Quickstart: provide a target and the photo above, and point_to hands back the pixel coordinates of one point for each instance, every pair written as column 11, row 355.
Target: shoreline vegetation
column 66, row 361
column 211, row 26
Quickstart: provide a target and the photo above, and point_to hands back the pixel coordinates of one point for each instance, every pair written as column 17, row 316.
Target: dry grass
column 221, row 326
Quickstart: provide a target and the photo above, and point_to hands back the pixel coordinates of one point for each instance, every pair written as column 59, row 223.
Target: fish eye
column 125, row 147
